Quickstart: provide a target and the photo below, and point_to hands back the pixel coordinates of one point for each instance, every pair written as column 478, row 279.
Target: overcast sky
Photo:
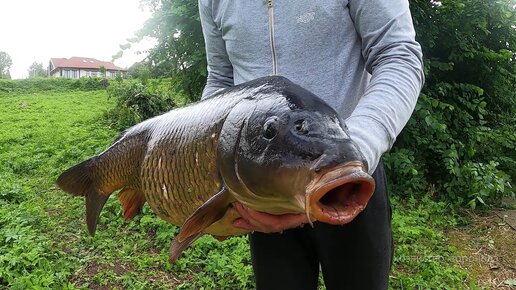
column 36, row 30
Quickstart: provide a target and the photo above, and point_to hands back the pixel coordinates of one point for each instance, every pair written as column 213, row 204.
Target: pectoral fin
column 178, row 247
column 210, row 212
column 221, row 238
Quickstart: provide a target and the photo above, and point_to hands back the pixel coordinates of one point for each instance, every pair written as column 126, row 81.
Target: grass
column 423, row 257
column 43, row 238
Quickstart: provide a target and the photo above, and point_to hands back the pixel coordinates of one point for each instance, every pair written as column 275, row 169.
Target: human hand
column 266, row 223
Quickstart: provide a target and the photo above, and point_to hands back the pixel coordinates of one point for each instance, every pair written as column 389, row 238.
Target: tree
column 102, row 71
column 36, row 70
column 461, row 139
column 179, row 53
column 5, row 64
column 140, row 70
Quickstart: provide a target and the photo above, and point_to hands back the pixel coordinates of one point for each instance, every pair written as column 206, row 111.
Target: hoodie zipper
column 270, row 8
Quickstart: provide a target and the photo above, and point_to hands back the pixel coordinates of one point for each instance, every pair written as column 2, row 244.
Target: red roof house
column 76, row 67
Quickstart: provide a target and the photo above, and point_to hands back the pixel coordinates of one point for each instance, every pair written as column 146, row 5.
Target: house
column 77, row 67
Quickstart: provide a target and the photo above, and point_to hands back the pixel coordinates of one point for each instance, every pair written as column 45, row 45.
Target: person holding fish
column 268, row 149
column 361, row 58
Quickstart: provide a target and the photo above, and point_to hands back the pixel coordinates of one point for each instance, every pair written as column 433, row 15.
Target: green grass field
column 44, row 243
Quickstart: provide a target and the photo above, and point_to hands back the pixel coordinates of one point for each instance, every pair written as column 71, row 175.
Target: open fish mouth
column 337, row 196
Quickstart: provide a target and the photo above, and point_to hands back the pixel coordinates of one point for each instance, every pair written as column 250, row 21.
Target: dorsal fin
column 132, row 201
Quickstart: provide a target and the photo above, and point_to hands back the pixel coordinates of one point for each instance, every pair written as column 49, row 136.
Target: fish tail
column 94, row 204
column 77, row 181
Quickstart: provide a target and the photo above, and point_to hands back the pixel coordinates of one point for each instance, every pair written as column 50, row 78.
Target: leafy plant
column 39, row 84
column 461, row 140
column 136, row 101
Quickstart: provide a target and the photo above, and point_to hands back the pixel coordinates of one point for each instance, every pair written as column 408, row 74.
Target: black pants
column 354, row 256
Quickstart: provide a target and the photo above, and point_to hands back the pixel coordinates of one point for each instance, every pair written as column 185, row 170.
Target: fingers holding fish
column 253, row 220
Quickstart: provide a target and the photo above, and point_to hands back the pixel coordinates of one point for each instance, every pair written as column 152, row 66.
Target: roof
column 84, row 63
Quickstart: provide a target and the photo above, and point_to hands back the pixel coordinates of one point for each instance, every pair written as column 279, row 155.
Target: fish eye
column 270, row 128
column 300, row 126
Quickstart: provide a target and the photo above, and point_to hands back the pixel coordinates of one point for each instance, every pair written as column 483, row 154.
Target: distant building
column 77, row 67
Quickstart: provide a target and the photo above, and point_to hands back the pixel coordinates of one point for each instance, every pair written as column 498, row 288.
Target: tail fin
column 94, row 204
column 76, row 181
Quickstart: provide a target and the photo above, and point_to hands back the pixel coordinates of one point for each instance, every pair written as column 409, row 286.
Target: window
column 73, row 74
column 91, row 74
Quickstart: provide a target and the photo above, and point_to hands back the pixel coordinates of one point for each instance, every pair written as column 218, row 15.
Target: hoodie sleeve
column 220, row 70
column 394, row 60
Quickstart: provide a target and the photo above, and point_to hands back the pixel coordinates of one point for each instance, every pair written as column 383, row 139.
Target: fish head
column 290, row 152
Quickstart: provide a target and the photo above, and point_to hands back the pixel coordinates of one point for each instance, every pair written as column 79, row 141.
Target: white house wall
column 56, row 73
column 84, row 73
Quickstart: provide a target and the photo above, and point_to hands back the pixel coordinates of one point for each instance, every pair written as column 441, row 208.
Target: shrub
column 90, row 84
column 27, row 258
column 34, row 85
column 462, row 131
column 136, row 101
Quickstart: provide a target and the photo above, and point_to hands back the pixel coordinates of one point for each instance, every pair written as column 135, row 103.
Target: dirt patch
column 54, row 212
column 93, row 269
column 486, row 249
column 508, row 216
column 162, row 278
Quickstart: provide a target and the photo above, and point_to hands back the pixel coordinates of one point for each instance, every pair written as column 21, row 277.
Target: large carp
column 268, row 144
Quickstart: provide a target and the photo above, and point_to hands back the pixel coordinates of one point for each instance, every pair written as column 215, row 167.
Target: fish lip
column 338, row 195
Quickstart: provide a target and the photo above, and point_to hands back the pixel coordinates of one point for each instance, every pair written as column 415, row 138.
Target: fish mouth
column 337, row 196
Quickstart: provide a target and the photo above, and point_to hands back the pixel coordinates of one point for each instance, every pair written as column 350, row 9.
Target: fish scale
column 192, row 188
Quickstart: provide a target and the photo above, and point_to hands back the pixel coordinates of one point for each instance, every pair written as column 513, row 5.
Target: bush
column 450, row 146
column 461, row 141
column 90, row 84
column 136, row 101
column 34, row 85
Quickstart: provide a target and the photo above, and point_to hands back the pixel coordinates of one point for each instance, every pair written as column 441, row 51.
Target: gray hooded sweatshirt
column 360, row 56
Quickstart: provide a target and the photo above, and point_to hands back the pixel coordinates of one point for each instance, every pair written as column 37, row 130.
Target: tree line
column 35, row 70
